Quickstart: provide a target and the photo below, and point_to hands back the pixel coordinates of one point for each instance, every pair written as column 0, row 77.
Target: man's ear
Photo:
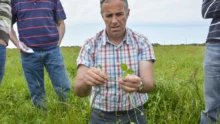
column 128, row 12
column 101, row 14
column 102, row 17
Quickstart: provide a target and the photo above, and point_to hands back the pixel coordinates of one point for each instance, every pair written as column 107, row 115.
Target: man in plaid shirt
column 115, row 99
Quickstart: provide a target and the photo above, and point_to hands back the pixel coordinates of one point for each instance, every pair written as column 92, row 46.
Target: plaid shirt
column 99, row 50
column 211, row 9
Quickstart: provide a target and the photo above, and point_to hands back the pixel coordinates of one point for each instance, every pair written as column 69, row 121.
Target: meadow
column 177, row 97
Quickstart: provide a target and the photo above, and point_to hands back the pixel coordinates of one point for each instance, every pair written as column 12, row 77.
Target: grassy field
column 176, row 99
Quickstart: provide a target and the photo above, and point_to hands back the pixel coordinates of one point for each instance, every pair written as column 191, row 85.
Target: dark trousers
column 120, row 117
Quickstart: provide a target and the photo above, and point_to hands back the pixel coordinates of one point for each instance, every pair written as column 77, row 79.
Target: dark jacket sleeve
column 211, row 9
column 13, row 11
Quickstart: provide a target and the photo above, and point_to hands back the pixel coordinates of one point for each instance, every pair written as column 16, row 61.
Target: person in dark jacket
column 211, row 114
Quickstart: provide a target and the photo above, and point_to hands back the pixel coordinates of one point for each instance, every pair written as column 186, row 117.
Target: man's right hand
column 95, row 77
column 22, row 48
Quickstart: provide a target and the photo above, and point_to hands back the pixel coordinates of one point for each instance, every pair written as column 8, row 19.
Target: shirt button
column 34, row 3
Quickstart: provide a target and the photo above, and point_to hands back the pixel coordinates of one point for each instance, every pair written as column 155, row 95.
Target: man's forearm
column 147, row 76
column 148, row 85
column 61, row 30
column 13, row 38
column 81, row 89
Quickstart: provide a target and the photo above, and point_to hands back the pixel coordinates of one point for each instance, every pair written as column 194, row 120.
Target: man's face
column 115, row 15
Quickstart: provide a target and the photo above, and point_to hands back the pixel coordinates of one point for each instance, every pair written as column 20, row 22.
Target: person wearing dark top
column 211, row 114
column 41, row 28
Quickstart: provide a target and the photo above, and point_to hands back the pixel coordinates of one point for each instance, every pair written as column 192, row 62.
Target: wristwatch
column 141, row 86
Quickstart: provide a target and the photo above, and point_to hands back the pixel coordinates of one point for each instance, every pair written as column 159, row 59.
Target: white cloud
column 81, row 11
column 167, row 11
column 142, row 11
column 84, row 20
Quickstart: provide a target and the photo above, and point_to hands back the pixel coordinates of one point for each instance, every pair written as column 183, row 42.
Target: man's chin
column 116, row 36
column 116, row 33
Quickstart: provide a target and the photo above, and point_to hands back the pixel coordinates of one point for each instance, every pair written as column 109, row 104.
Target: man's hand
column 22, row 48
column 130, row 83
column 17, row 43
column 61, row 30
column 95, row 77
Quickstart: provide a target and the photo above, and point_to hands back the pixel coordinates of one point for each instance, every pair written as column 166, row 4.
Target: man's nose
column 114, row 20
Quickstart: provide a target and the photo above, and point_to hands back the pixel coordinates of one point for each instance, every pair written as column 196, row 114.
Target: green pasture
column 176, row 99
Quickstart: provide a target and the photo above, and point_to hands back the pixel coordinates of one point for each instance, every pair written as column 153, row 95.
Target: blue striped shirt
column 37, row 22
column 211, row 9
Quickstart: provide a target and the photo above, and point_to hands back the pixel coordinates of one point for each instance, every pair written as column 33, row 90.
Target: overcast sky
column 162, row 21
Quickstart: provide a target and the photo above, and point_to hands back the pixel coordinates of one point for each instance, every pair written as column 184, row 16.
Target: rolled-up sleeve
column 59, row 11
column 146, row 50
column 85, row 55
column 211, row 9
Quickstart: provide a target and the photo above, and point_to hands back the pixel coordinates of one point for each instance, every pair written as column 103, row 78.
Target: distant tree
column 156, row 44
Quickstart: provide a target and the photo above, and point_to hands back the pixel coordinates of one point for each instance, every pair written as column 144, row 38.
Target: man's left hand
column 130, row 83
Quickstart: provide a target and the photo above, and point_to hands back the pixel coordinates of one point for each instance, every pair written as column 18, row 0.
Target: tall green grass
column 177, row 97
column 178, row 94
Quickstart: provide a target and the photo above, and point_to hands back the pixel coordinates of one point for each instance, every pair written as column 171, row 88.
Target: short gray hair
column 103, row 1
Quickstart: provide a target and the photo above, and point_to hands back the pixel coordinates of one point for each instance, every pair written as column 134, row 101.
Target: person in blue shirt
column 41, row 28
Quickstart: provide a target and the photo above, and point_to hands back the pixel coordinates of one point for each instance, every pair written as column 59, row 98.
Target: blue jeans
column 211, row 114
column 2, row 61
column 122, row 117
column 33, row 66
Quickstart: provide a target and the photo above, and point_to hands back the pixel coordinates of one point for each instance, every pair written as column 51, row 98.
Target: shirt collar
column 105, row 38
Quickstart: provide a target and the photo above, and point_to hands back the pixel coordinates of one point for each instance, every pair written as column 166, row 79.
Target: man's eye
column 119, row 14
column 108, row 16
